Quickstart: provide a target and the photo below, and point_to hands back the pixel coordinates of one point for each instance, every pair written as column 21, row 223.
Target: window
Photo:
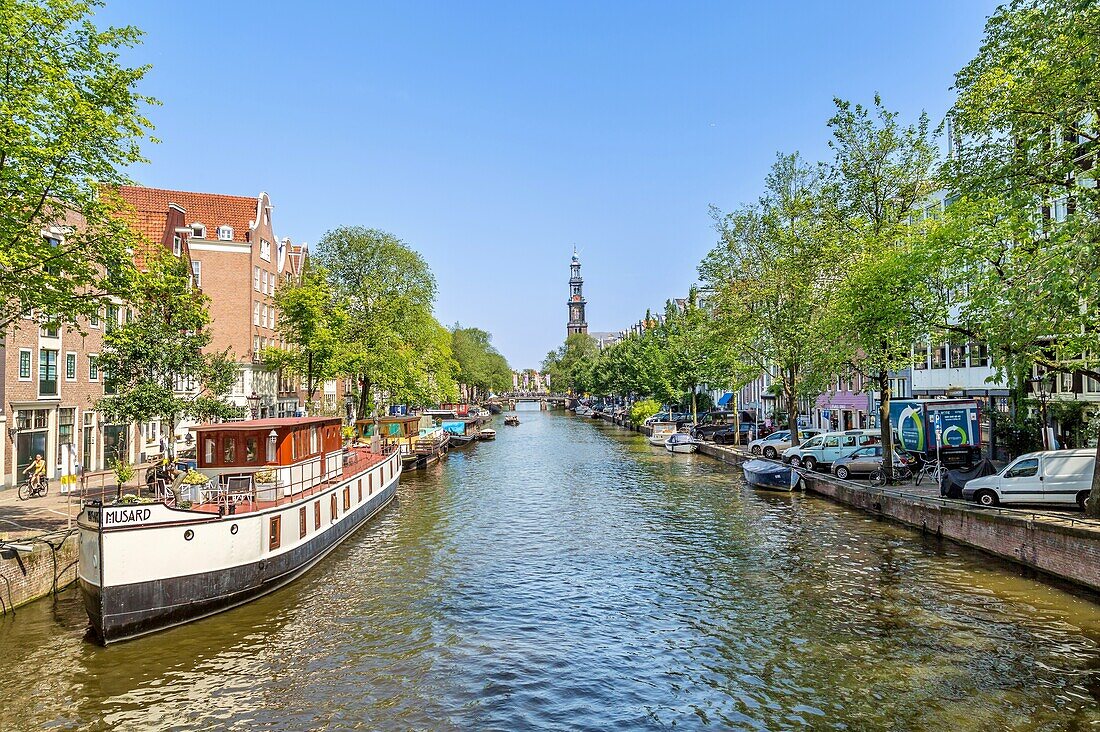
column 333, row 507
column 47, row 372
column 112, row 318
column 848, row 441
column 250, row 449
column 347, row 497
column 256, row 315
column 264, row 318
column 24, row 364
column 177, row 245
column 49, row 330
column 66, row 418
column 1023, row 469
column 225, row 233
column 831, row 442
column 920, row 355
column 312, row 440
column 256, row 278
column 199, row 229
column 229, row 450
column 939, row 356
column 360, row 491
column 93, row 320
column 196, row 272
column 93, row 367
column 265, row 250
column 1092, row 386
column 302, row 522
column 370, row 484
column 208, row 451
column 316, row 514
column 108, row 382
column 958, row 356
column 274, row 532
column 70, row 366
column 979, row 354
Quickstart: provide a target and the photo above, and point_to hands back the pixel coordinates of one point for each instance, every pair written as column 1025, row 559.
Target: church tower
column 577, row 323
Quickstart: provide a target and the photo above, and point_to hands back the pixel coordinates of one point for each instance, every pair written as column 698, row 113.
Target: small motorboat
column 487, row 434
column 512, row 420
column 661, row 432
column 769, row 475
column 462, row 440
column 681, row 442
column 583, row 411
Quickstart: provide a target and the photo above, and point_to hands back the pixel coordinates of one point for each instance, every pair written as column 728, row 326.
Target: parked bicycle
column 932, row 470
column 901, row 473
column 36, row 485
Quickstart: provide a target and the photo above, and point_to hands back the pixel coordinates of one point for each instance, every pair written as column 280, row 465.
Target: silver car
column 777, row 442
column 865, row 461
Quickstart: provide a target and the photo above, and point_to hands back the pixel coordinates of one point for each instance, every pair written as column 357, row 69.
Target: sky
column 493, row 137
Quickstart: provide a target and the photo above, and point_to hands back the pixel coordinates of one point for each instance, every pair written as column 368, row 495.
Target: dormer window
column 200, row 230
column 225, row 233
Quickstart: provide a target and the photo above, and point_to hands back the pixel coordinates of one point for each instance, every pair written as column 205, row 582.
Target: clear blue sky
column 492, row 137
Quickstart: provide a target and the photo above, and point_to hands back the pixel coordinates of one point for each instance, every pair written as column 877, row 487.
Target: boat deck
column 357, row 460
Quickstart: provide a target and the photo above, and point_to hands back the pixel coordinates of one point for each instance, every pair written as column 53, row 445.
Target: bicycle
column 933, row 470
column 901, row 472
column 36, row 485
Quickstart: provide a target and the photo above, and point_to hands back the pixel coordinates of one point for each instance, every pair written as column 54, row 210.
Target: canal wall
column 1056, row 544
column 49, row 566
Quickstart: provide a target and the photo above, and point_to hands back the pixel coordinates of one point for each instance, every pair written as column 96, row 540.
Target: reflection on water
column 570, row 576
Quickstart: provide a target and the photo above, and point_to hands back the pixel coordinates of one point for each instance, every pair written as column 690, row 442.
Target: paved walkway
column 56, row 510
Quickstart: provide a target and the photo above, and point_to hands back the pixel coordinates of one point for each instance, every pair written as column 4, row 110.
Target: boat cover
column 952, row 484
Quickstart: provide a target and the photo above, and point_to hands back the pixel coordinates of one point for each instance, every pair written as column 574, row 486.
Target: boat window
column 294, row 445
column 250, row 445
column 370, row 483
column 312, row 440
column 274, row 532
column 229, row 450
column 208, row 451
column 333, row 502
column 360, row 490
column 347, row 498
column 317, row 514
column 302, row 522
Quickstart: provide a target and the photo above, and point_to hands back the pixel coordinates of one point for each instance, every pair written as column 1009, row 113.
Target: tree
column 571, row 364
column 771, row 277
column 154, row 365
column 70, row 121
column 880, row 172
column 1027, row 227
column 312, row 322
column 387, row 291
column 480, row 366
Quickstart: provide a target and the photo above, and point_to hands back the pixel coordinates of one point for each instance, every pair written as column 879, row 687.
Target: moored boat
column 661, row 431
column 280, row 495
column 681, row 442
column 487, row 434
column 512, row 420
column 769, row 475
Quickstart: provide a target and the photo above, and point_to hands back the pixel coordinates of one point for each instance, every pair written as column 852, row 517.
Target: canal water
column 570, row 576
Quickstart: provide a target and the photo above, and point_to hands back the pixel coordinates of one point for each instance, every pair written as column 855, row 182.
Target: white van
column 1054, row 476
column 822, row 450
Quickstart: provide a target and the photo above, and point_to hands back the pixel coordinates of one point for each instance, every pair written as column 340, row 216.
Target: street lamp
column 272, row 443
column 253, row 400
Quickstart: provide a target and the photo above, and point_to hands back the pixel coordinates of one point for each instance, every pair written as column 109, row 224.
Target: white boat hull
column 682, row 448
column 147, row 567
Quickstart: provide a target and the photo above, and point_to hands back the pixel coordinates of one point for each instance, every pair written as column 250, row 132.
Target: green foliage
column 70, row 122
column 391, row 341
column 570, row 366
column 480, row 366
column 643, row 410
column 144, row 360
column 123, row 470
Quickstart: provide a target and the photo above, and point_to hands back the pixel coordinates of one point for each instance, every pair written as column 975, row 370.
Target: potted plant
column 124, row 472
column 265, row 481
column 195, row 482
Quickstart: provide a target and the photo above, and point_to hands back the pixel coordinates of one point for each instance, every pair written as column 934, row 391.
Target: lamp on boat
column 272, row 440
column 253, row 400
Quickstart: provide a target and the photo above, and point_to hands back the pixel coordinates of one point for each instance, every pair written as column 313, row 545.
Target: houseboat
column 460, row 432
column 418, row 440
column 279, row 494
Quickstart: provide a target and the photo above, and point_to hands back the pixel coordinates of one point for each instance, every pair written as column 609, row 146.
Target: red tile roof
column 210, row 209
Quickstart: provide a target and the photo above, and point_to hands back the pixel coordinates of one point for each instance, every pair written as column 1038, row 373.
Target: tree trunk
column 694, row 409
column 1092, row 505
column 311, row 384
column 792, row 404
column 364, row 390
column 884, row 425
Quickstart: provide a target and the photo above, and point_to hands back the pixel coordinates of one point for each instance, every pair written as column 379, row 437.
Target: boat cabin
column 286, row 454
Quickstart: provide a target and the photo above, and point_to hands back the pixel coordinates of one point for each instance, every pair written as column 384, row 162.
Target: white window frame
column 30, row 362
column 225, row 233
column 199, row 229
column 265, row 250
column 256, row 313
column 93, row 359
column 196, row 272
column 76, row 365
column 177, row 245
column 256, row 277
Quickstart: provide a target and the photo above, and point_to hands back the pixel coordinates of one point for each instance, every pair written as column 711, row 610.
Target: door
column 1021, row 482
column 29, row 444
column 867, row 459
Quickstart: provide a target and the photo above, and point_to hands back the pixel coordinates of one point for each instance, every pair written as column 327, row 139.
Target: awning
column 725, row 399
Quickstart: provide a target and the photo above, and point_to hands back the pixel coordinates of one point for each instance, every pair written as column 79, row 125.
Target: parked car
column 866, row 460
column 711, row 422
column 826, row 448
column 1053, row 476
column 727, row 435
column 777, row 442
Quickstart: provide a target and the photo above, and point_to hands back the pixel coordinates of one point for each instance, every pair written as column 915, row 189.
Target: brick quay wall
column 1066, row 546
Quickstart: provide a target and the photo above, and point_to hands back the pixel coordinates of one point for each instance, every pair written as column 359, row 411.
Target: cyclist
column 37, row 471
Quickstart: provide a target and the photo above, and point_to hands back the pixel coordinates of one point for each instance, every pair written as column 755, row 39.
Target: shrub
column 643, row 410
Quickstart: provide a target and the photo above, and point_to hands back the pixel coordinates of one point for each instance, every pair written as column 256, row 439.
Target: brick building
column 237, row 261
